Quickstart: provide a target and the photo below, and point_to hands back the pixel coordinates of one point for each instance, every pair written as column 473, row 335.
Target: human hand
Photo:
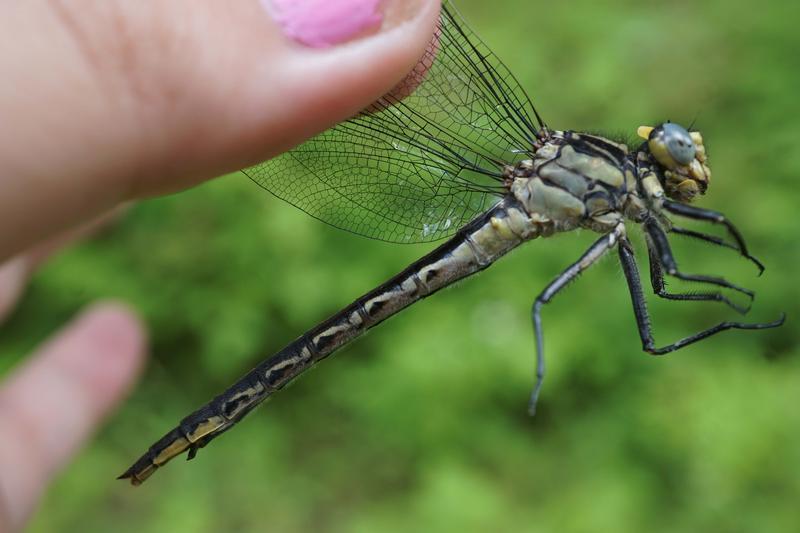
column 104, row 102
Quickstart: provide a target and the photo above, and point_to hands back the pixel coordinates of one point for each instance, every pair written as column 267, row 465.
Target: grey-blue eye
column 679, row 143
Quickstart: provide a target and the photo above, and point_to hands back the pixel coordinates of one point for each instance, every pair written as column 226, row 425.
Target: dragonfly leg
column 660, row 287
column 659, row 243
column 590, row 257
column 643, row 317
column 715, row 217
column 713, row 239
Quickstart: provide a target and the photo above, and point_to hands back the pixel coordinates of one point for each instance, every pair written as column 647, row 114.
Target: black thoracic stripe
column 553, row 184
column 610, row 151
column 584, row 148
column 595, row 147
column 609, row 189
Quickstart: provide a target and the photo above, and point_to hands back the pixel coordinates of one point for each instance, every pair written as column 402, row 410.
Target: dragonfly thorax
column 574, row 180
column 584, row 180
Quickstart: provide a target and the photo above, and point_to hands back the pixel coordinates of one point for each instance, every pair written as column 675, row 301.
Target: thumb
column 265, row 104
column 117, row 99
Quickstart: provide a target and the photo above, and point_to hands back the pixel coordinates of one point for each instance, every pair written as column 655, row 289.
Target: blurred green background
column 422, row 425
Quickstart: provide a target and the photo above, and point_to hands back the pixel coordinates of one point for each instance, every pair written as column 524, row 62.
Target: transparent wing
column 425, row 159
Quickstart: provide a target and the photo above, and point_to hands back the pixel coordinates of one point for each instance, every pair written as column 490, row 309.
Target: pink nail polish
column 323, row 23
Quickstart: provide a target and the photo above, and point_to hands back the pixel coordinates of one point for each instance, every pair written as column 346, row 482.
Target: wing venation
column 423, row 160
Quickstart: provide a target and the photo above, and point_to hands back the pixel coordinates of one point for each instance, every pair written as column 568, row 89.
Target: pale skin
column 106, row 102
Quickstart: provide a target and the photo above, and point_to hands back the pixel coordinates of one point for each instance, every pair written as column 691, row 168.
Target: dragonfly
column 457, row 151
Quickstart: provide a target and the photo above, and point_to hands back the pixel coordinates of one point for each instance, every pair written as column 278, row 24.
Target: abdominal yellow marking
column 249, row 395
column 330, row 332
column 287, row 362
column 139, row 477
column 176, row 447
column 208, row 426
column 355, row 319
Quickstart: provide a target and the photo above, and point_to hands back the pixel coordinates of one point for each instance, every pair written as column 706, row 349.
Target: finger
column 147, row 97
column 15, row 272
column 13, row 277
column 50, row 405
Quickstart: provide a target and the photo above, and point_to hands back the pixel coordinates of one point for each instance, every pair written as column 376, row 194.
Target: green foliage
column 422, row 425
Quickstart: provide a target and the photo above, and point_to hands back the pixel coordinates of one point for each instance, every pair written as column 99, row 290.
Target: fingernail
column 325, row 23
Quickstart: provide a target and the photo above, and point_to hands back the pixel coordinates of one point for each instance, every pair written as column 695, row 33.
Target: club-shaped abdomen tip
column 133, row 480
column 137, row 477
column 139, row 471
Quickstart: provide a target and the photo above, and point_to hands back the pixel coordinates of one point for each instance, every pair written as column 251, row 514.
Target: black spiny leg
column 660, row 245
column 715, row 217
column 660, row 288
column 590, row 257
column 713, row 239
column 643, row 318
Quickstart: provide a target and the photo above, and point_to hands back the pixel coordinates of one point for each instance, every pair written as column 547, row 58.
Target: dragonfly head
column 681, row 158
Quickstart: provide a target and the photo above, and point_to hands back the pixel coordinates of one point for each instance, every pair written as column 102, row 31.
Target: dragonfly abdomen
column 474, row 248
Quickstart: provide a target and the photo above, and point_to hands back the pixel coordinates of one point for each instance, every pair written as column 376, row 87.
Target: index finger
column 50, row 405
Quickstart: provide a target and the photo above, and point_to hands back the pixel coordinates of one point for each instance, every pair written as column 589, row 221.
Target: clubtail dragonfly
column 457, row 150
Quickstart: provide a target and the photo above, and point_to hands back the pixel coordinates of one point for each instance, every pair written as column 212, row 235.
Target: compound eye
column 679, row 143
